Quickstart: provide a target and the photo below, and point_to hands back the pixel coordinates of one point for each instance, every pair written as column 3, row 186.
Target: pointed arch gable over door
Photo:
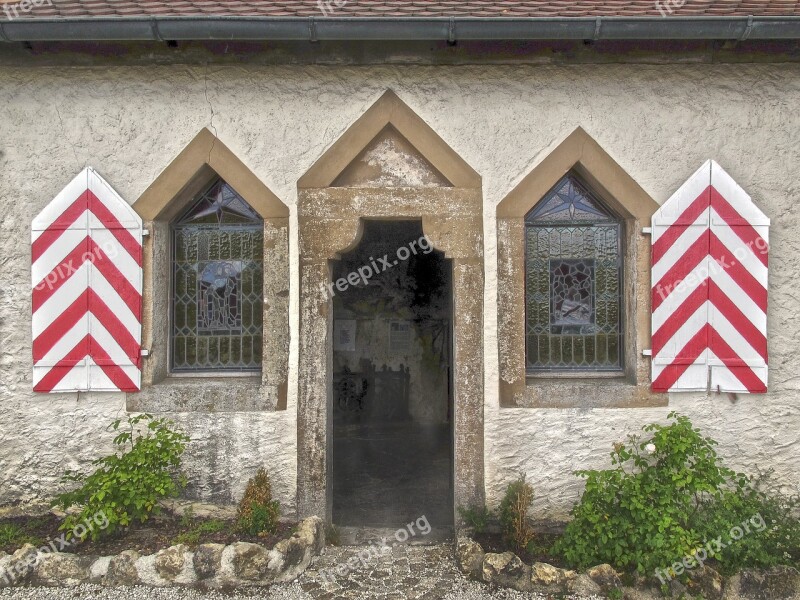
column 359, row 177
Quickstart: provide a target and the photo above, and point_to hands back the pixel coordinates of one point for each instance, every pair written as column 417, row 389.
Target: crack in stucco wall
column 211, row 108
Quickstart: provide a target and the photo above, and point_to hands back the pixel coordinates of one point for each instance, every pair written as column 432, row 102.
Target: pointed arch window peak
column 205, row 159
column 219, row 205
column 569, row 202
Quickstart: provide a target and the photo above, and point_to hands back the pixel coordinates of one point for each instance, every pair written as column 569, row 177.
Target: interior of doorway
column 392, row 392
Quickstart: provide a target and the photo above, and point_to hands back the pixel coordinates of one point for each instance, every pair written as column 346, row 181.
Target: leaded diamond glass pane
column 217, row 303
column 219, row 204
column 569, row 202
column 573, row 269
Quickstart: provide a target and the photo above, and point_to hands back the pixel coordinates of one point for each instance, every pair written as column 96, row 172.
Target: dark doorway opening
column 391, row 396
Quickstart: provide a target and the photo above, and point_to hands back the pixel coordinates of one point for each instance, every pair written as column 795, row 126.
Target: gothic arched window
column 217, row 283
column 573, row 282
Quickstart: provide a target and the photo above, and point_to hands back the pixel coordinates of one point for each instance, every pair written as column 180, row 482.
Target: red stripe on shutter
column 686, row 357
column 55, row 231
column 679, row 226
column 694, row 255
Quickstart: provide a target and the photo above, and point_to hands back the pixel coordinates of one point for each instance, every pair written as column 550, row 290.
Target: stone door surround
column 432, row 184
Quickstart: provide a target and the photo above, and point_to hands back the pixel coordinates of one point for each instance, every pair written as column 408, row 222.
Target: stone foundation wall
column 210, row 565
column 508, row 570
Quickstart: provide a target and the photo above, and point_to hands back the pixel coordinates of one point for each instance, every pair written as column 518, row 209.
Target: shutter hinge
column 145, row 232
column 144, row 352
column 647, row 230
column 648, row 352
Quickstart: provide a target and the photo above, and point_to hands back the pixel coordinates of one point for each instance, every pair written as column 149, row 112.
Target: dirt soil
column 157, row 533
column 537, row 551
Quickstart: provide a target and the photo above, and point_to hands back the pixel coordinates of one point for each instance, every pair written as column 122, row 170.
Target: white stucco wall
column 658, row 122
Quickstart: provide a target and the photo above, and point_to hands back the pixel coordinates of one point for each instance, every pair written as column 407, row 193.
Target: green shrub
column 187, row 518
column 127, row 485
column 665, row 497
column 767, row 522
column 477, row 518
column 615, row 594
column 258, row 513
column 514, row 514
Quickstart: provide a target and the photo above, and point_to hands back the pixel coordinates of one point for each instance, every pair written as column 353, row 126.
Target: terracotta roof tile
column 405, row 8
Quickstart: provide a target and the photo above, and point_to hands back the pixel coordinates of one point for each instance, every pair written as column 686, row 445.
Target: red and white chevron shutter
column 86, row 270
column 709, row 297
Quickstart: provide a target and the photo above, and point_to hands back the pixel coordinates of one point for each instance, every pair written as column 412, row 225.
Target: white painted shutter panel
column 709, row 288
column 86, row 267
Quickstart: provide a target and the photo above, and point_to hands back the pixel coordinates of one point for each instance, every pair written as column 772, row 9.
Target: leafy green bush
column 127, row 485
column 767, row 522
column 665, row 497
column 476, row 517
column 258, row 513
column 513, row 513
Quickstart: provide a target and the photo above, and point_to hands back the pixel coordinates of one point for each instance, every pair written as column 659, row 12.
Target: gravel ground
column 408, row 572
column 463, row 590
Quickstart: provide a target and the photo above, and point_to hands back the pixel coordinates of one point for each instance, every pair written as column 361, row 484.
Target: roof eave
column 398, row 29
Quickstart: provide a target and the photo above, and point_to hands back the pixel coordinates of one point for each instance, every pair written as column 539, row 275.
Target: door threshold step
column 364, row 536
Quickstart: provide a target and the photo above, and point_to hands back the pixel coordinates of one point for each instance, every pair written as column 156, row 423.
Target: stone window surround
column 580, row 154
column 204, row 159
column 330, row 219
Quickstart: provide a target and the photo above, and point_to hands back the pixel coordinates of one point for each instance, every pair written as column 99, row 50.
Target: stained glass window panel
column 572, row 294
column 573, row 270
column 219, row 287
column 217, row 304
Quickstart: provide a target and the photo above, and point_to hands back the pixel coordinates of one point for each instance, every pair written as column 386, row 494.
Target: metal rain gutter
column 399, row 29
